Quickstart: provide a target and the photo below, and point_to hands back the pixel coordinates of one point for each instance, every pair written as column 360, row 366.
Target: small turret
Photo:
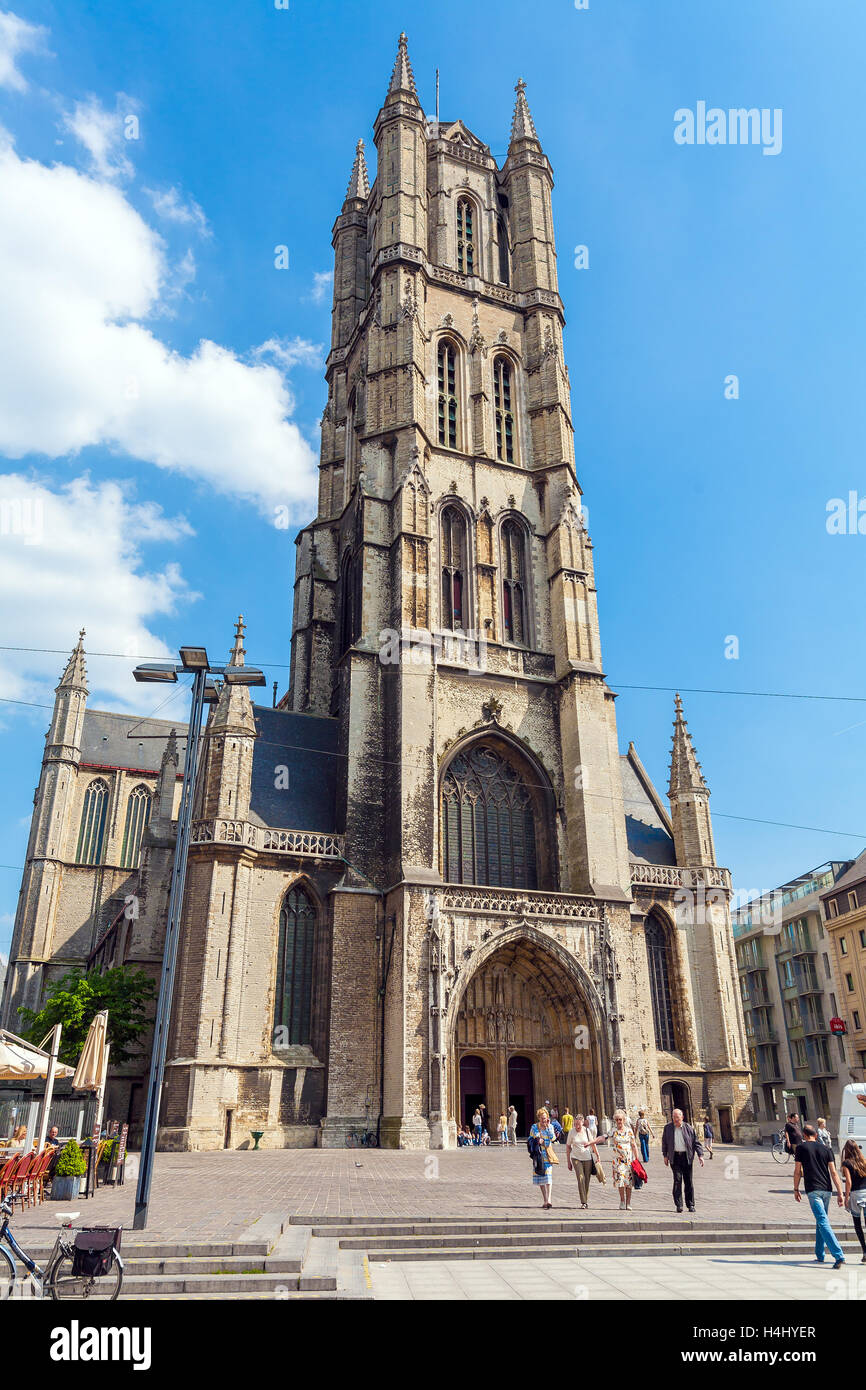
column 228, row 746
column 690, row 798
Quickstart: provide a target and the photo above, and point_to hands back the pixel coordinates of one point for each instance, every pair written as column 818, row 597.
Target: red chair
column 21, row 1177
column 6, row 1174
column 37, row 1174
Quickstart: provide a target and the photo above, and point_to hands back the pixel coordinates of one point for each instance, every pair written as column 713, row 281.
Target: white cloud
column 291, row 352
column 169, row 204
column 80, row 270
column 322, row 281
column 17, row 37
column 103, row 134
column 73, row 557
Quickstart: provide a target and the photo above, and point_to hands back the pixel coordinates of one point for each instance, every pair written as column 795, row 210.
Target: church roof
column 648, row 827
column 127, row 740
column 305, row 745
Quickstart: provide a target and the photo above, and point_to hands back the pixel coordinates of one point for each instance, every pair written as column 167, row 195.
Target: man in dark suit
column 679, row 1146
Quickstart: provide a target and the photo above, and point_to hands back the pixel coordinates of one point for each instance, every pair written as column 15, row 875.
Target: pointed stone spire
column 686, row 775
column 402, row 87
column 75, row 675
column 359, row 183
column 233, row 712
column 522, row 124
column 166, row 782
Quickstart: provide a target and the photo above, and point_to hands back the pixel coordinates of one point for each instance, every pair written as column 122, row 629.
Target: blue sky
column 158, row 463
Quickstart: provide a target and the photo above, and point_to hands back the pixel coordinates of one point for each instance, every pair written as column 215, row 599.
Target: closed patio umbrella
column 90, row 1071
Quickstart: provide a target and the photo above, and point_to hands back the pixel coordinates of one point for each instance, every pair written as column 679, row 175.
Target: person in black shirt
column 813, row 1163
column 854, row 1173
column 793, row 1132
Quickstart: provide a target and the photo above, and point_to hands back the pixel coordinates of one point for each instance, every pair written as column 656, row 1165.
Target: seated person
column 52, row 1137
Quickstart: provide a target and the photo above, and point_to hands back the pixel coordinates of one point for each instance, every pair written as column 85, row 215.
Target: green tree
column 77, row 996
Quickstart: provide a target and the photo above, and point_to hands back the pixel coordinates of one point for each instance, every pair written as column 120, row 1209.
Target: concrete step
column 490, row 1251
column 609, row 1241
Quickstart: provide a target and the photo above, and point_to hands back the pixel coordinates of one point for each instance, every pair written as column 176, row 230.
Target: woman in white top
column 592, row 1124
column 580, row 1150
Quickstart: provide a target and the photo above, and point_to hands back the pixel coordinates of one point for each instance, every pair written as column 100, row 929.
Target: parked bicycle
column 781, row 1152
column 83, row 1265
column 362, row 1140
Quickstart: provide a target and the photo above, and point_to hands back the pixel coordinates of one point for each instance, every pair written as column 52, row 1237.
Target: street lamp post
column 193, row 660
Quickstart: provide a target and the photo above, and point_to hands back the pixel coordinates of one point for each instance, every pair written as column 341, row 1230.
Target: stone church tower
column 503, row 931
column 428, row 878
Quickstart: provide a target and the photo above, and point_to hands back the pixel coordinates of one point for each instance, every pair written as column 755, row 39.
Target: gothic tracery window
column 466, row 256
column 503, row 408
column 502, row 238
column 658, row 960
column 453, row 533
column 488, row 822
column 447, row 394
column 137, row 817
column 513, row 553
column 349, row 603
column 91, row 836
column 294, row 995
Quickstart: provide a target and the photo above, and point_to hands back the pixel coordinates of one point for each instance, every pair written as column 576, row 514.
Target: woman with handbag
column 540, row 1144
column 581, row 1155
column 854, row 1173
column 624, row 1146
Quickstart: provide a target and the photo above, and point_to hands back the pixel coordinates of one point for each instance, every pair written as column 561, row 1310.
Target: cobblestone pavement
column 212, row 1195
column 610, row 1278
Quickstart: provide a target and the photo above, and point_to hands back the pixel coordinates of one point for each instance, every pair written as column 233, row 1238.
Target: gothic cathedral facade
column 462, row 891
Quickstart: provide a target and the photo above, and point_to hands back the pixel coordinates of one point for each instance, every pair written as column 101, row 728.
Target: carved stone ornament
column 492, row 709
column 447, row 321
column 477, row 341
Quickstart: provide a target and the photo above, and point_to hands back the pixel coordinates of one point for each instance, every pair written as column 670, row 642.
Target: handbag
column 857, row 1203
column 639, row 1173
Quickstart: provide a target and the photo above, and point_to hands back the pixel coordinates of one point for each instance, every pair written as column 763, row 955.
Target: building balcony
column 517, row 902
column 307, row 844
column 670, row 876
column 764, row 1035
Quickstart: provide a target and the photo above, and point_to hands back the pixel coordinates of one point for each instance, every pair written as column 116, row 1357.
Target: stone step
column 163, row 1250
column 528, row 1230
column 610, row 1240
column 182, row 1285
column 800, row 1249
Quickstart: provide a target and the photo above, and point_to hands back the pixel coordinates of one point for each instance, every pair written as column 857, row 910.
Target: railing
column 515, row 902
column 670, row 876
column 313, row 844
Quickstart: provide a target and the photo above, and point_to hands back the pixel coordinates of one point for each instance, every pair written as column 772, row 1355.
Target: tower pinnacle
column 402, row 84
column 686, row 775
column 238, row 651
column 75, row 675
column 359, row 183
column 522, row 124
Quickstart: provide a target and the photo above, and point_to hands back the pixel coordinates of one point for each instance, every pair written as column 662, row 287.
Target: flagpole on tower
column 437, row 96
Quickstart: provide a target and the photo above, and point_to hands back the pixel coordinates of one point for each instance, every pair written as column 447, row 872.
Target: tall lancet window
column 502, row 237
column 466, row 255
column 294, row 997
column 448, row 394
column 350, row 603
column 91, row 836
column 503, row 409
column 513, row 554
column 137, row 817
column 658, row 960
column 453, row 531
column 488, row 824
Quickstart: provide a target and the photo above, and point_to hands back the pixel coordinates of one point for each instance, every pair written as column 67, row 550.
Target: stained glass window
column 488, row 822
column 293, row 1010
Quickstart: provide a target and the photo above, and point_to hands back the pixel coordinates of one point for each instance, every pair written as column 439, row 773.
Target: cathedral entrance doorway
column 677, row 1096
column 520, row 1092
column 473, row 1086
column 524, row 1033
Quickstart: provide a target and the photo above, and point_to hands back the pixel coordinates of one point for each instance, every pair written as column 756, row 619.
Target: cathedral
column 428, row 877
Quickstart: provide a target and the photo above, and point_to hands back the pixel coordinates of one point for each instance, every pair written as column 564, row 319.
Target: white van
column 852, row 1117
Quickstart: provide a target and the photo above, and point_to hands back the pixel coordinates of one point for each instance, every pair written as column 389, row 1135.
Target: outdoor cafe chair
column 21, row 1177
column 6, row 1175
column 36, row 1176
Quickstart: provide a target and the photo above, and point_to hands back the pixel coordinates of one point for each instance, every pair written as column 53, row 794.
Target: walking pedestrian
column 813, row 1163
column 709, row 1136
column 644, row 1132
column 477, row 1125
column 567, row 1122
column 824, row 1133
column 512, row 1125
column 680, row 1144
column 624, row 1150
column 591, row 1123
column 580, row 1153
column 542, row 1137
column 854, row 1173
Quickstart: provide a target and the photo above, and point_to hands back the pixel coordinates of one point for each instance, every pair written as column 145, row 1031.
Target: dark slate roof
column 127, row 740
column 305, row 744
column 855, row 874
column 647, row 827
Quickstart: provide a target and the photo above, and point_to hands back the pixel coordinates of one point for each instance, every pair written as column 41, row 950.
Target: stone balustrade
column 670, row 876
column 312, row 844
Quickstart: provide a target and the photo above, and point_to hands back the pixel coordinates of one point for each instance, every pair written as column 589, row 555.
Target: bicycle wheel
column 68, row 1287
column 780, row 1153
column 7, row 1276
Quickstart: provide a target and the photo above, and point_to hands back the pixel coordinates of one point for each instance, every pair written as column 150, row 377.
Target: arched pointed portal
column 524, row 1024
